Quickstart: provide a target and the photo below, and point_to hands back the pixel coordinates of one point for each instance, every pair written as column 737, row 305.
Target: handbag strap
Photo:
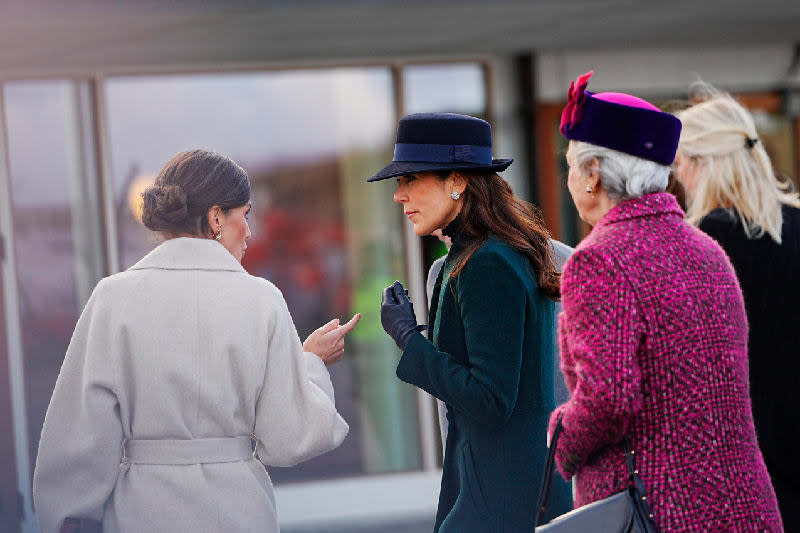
column 547, row 478
column 638, row 484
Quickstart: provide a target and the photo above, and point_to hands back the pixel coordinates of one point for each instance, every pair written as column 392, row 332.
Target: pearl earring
column 455, row 195
column 590, row 190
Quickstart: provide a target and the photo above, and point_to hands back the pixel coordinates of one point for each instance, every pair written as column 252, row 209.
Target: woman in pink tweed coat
column 653, row 334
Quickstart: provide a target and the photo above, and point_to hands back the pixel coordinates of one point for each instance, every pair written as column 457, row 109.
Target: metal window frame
column 418, row 482
column 13, row 326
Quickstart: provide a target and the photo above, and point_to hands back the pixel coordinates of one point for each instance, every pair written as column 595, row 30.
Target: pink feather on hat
column 576, row 98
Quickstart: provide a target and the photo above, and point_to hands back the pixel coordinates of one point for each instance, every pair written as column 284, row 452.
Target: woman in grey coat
column 177, row 369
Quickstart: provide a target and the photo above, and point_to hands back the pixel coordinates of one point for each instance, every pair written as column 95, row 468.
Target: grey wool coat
column 171, row 361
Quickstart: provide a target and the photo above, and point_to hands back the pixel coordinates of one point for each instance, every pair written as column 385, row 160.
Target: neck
column 452, row 227
column 451, row 218
column 604, row 205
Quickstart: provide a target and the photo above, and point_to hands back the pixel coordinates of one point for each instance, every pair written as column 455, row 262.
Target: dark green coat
column 490, row 359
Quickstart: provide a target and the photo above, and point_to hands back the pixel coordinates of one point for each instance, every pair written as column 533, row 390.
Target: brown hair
column 190, row 184
column 491, row 207
column 676, row 189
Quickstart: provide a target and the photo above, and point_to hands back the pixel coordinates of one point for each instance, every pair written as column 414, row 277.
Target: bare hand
column 327, row 342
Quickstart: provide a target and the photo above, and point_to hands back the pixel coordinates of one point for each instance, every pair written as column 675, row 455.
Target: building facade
column 81, row 138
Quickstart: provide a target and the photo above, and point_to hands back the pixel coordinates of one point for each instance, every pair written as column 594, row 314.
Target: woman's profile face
column 686, row 172
column 235, row 230
column 576, row 183
column 427, row 201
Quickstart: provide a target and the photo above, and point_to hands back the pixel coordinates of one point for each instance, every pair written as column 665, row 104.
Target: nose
column 247, row 233
column 400, row 195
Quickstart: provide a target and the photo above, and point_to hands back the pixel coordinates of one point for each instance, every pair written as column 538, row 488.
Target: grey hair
column 624, row 176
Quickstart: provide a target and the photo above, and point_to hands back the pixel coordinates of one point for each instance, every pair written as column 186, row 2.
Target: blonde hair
column 734, row 168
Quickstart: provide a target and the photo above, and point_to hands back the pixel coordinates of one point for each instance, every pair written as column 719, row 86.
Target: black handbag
column 626, row 511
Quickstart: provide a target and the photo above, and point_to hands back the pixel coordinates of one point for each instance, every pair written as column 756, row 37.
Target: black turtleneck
column 455, row 230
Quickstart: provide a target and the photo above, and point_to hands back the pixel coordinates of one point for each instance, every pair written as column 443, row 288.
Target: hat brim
column 402, row 168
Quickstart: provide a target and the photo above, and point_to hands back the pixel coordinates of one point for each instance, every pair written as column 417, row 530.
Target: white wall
column 665, row 71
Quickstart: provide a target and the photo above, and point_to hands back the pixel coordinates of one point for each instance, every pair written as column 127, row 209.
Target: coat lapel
column 437, row 287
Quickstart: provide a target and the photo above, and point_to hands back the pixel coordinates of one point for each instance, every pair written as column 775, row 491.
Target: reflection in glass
column 327, row 239
column 447, row 87
column 443, row 88
column 56, row 230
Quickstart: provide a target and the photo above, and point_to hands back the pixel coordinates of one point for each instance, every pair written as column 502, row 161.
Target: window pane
column 56, row 230
column 327, row 239
column 454, row 88
column 437, row 88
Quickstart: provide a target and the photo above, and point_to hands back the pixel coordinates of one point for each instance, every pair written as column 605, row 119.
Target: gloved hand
column 397, row 315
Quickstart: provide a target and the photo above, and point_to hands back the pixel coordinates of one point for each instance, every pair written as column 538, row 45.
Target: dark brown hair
column 190, row 184
column 491, row 207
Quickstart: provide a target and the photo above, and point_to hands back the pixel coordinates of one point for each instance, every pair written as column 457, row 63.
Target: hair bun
column 165, row 207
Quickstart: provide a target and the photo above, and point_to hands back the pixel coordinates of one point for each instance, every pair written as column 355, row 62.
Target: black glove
column 397, row 315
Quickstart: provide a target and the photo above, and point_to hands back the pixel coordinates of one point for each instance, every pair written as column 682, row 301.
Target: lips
column 410, row 214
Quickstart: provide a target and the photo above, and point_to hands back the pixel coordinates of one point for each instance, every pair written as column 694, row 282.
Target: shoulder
column 791, row 217
column 433, row 272
column 721, row 215
column 718, row 221
column 495, row 254
column 585, row 261
column 493, row 265
column 263, row 293
column 561, row 252
column 258, row 292
column 112, row 286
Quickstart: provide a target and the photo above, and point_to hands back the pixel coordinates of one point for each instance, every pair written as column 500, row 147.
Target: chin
column 421, row 232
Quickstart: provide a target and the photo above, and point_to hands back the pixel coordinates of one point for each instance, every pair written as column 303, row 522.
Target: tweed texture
column 654, row 347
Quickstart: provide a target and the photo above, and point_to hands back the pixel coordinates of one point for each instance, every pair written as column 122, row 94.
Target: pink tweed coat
column 654, row 344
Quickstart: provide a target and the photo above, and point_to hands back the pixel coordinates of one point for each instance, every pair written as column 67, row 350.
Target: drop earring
column 218, row 236
column 455, row 195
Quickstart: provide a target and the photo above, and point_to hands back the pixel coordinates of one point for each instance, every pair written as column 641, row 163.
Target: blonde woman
column 736, row 198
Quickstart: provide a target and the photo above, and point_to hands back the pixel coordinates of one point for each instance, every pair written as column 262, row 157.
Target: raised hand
column 327, row 342
column 397, row 315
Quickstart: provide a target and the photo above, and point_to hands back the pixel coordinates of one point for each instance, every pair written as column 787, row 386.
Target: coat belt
column 187, row 451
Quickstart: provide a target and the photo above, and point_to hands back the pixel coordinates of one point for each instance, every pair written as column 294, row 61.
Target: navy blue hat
column 428, row 142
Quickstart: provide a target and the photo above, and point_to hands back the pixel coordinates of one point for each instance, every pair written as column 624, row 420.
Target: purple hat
column 621, row 122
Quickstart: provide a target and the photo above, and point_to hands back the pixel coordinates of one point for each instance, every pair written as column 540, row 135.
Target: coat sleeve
column 567, row 364
column 491, row 300
column 80, row 447
column 603, row 327
column 296, row 417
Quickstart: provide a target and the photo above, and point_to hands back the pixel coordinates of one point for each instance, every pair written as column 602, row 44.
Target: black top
column 769, row 274
column 455, row 230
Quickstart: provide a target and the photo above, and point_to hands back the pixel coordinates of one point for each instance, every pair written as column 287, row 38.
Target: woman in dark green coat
column 489, row 350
